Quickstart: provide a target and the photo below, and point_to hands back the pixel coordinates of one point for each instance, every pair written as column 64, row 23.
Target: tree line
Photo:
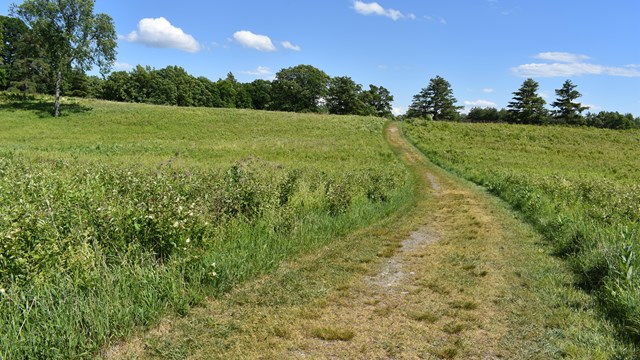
column 47, row 47
column 301, row 88
column 28, row 68
column 436, row 102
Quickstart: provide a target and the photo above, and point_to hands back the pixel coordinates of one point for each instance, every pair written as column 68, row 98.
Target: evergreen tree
column 527, row 106
column 568, row 110
column 436, row 100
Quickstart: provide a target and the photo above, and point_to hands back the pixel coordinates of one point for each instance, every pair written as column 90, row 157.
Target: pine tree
column 436, row 100
column 527, row 106
column 568, row 110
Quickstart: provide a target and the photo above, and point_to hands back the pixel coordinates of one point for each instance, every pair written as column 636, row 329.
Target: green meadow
column 115, row 215
column 577, row 186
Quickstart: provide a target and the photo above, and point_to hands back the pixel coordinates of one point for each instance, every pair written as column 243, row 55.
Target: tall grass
column 577, row 186
column 93, row 248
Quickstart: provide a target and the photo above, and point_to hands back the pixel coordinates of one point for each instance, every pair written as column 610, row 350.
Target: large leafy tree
column 260, row 91
column 377, row 101
column 70, row 35
column 527, row 107
column 568, row 110
column 343, row 96
column 436, row 100
column 300, row 89
column 12, row 34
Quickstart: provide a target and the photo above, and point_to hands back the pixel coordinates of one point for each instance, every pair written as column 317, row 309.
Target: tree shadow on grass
column 44, row 109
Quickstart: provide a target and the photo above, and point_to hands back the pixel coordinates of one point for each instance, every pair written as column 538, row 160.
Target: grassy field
column 117, row 214
column 578, row 186
column 441, row 278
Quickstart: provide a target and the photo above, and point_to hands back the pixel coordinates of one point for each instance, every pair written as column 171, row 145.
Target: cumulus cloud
column 290, row 46
column 261, row 72
column 470, row 104
column 398, row 110
column 480, row 103
column 487, row 90
column 122, row 66
column 374, row 8
column 254, row 41
column 561, row 57
column 567, row 65
column 159, row 33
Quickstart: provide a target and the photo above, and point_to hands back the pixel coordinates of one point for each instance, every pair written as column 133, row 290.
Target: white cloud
column 122, row 66
column 573, row 69
column 480, row 103
column 411, row 16
column 439, row 20
column 567, row 65
column 261, row 72
column 290, row 46
column 468, row 105
column 487, row 90
column 254, row 41
column 561, row 57
column 376, row 9
column 159, row 33
column 398, row 110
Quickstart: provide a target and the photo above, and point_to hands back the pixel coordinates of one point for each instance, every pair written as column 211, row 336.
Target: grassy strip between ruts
column 488, row 286
column 577, row 186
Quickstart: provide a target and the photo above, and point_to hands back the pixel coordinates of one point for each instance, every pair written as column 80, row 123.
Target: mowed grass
column 116, row 215
column 578, row 187
column 151, row 135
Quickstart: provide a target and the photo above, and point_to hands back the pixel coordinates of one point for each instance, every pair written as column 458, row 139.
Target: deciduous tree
column 377, row 101
column 70, row 35
column 12, row 32
column 300, row 89
column 343, row 96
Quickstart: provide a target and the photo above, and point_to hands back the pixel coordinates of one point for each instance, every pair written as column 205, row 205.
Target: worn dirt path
column 451, row 281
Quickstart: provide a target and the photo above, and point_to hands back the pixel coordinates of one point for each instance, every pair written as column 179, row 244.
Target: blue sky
column 484, row 48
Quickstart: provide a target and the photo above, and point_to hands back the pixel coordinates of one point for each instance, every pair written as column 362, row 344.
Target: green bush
column 89, row 251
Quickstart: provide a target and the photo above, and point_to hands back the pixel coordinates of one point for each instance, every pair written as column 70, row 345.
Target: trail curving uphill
column 457, row 275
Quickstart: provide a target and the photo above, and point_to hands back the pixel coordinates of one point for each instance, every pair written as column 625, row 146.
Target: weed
column 118, row 216
column 464, row 305
column 426, row 316
column 453, row 328
column 333, row 334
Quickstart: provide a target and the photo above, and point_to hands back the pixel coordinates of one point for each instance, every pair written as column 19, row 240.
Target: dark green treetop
column 527, row 107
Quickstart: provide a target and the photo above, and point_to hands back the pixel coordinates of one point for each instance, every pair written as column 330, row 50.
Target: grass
column 116, row 215
column 333, row 334
column 525, row 303
column 153, row 136
column 577, row 186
